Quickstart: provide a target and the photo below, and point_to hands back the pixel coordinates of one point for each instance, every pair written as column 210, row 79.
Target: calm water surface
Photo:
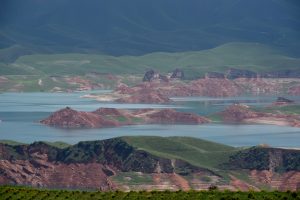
column 20, row 113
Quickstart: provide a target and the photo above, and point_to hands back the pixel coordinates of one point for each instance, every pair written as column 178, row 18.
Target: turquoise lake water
column 20, row 113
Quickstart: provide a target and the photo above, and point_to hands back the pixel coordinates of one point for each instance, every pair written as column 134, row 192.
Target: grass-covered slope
column 279, row 160
column 138, row 27
column 54, row 144
column 125, row 151
column 143, row 153
column 257, row 57
column 198, row 152
column 157, row 162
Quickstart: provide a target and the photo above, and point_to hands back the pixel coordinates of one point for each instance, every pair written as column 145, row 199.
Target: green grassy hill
column 253, row 56
column 128, row 150
column 138, row 27
column 195, row 151
column 140, row 156
column 198, row 152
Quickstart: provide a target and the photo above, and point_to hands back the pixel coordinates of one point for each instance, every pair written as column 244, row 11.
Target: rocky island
column 111, row 117
column 240, row 113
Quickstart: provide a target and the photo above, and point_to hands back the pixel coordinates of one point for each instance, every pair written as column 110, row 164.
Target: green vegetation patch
column 256, row 57
column 60, row 145
column 259, row 158
column 133, row 178
column 11, row 142
column 287, row 109
column 198, row 152
column 8, row 193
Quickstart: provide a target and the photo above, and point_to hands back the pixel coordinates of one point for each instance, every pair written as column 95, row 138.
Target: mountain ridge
column 140, row 27
column 130, row 162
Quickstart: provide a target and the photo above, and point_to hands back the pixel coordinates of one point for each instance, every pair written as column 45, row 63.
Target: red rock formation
column 283, row 182
column 238, row 113
column 242, row 113
column 259, row 86
column 3, row 80
column 116, row 114
column 145, row 97
column 42, row 173
column 110, row 112
column 124, row 89
column 295, row 90
column 111, row 117
column 40, row 165
column 202, row 87
column 170, row 116
column 69, row 118
column 83, row 84
column 241, row 185
column 214, row 87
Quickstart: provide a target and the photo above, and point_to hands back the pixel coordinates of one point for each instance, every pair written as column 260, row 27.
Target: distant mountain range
column 136, row 27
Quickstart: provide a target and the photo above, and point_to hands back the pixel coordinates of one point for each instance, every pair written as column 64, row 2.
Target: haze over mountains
column 137, row 27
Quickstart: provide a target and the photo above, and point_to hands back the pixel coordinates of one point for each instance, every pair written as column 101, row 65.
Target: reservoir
column 20, row 114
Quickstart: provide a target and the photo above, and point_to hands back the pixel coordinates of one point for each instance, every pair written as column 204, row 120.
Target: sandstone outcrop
column 86, row 165
column 170, row 116
column 111, row 117
column 201, row 87
column 69, row 118
column 3, row 80
column 240, row 113
column 294, row 90
column 145, row 97
column 277, row 181
column 213, row 85
column 214, row 88
column 45, row 174
column 268, row 166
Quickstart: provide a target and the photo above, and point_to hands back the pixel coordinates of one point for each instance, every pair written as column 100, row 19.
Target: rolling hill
column 138, row 27
column 156, row 163
column 257, row 57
